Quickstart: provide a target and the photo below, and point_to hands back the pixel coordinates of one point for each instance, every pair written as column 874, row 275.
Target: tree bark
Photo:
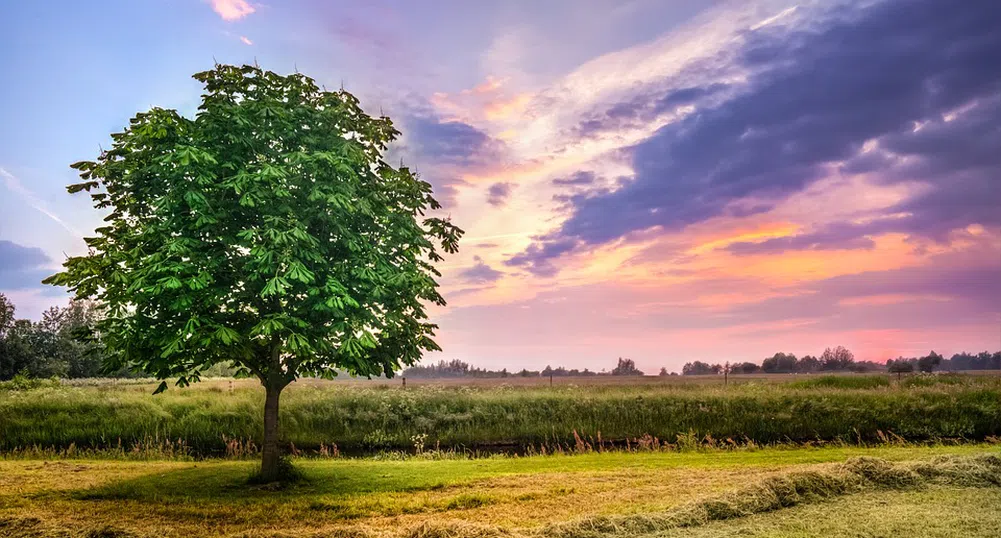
column 270, row 454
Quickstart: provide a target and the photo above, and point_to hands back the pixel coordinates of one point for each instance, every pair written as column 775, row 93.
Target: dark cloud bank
column 442, row 149
column 818, row 91
column 22, row 267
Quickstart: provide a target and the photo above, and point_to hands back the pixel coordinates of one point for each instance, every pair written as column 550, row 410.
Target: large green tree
column 267, row 232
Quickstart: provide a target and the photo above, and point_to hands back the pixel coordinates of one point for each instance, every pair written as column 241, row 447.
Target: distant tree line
column 959, row 362
column 840, row 359
column 60, row 345
column 458, row 368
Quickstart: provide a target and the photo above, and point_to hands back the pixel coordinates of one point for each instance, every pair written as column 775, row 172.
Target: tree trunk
column 270, row 454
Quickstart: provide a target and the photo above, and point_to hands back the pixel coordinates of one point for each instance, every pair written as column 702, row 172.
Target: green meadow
column 213, row 417
column 775, row 456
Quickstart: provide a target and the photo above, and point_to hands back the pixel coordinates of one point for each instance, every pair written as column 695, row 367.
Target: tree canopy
column 268, row 232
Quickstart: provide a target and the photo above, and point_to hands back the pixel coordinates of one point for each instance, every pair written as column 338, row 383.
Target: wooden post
column 726, row 371
column 404, row 382
column 550, row 380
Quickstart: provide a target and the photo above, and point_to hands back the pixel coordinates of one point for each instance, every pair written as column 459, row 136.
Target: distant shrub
column 23, row 382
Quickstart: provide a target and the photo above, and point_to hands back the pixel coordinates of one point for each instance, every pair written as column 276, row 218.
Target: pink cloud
column 231, row 10
column 489, row 86
column 246, row 40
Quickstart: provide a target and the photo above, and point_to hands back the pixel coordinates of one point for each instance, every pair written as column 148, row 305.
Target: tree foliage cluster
column 61, row 344
column 701, row 368
column 266, row 231
column 838, row 359
column 959, row 362
column 984, row 360
column 626, row 367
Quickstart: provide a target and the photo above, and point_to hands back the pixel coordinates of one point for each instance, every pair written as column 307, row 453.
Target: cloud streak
column 14, row 185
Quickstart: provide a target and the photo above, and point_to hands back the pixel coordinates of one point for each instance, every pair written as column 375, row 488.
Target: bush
column 23, row 382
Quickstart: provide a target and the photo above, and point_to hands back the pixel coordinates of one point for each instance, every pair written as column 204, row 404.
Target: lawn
column 765, row 492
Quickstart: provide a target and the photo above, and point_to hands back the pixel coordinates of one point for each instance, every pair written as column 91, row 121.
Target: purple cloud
column 836, row 237
column 23, row 267
column 480, row 273
column 583, row 177
column 451, row 142
column 814, row 97
column 498, row 193
column 537, row 258
column 444, row 149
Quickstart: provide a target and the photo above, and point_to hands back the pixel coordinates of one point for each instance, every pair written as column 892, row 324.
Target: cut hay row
column 857, row 475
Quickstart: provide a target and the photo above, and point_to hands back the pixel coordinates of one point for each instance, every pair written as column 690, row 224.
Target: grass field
column 907, row 491
column 787, row 456
column 371, row 417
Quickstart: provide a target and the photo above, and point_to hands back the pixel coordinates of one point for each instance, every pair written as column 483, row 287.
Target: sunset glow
column 669, row 182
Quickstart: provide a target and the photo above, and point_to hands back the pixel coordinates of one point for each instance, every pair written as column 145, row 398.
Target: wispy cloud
column 232, row 10
column 14, row 185
column 246, row 40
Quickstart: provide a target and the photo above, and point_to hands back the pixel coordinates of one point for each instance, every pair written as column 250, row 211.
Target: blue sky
column 666, row 181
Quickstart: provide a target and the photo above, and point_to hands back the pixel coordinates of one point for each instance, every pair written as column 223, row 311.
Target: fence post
column 404, row 382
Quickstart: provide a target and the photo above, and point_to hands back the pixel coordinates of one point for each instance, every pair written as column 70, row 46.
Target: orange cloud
column 890, row 298
column 490, row 85
column 504, row 108
column 485, row 101
column 767, row 231
column 232, row 10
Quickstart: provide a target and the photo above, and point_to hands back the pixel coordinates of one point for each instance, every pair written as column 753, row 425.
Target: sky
column 660, row 180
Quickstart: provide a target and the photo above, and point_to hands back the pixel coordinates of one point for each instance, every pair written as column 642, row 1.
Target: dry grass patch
column 552, row 497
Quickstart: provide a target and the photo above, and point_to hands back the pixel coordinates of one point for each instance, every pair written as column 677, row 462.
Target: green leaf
column 226, row 335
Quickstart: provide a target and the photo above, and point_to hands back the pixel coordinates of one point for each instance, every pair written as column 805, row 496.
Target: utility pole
column 726, row 371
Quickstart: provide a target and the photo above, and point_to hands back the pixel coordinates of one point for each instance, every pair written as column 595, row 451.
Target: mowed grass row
column 612, row 494
column 373, row 418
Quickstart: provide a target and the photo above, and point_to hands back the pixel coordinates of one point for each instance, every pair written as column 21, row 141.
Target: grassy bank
column 609, row 494
column 370, row 418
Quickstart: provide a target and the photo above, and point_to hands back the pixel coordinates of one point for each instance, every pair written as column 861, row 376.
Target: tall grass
column 844, row 382
column 359, row 418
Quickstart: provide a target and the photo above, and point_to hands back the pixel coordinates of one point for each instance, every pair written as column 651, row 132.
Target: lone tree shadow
column 231, row 481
